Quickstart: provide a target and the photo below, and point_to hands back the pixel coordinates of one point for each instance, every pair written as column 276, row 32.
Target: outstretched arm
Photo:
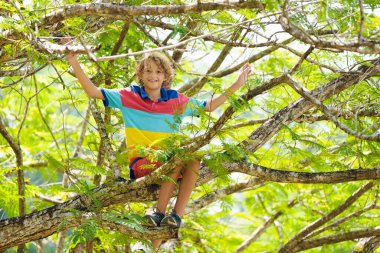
column 87, row 85
column 220, row 99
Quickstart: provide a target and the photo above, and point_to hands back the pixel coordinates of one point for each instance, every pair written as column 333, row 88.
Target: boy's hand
column 67, row 40
column 245, row 71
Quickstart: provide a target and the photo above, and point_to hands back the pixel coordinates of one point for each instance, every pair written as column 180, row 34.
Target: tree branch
column 340, row 221
column 123, row 12
column 296, row 241
column 43, row 223
column 223, row 54
column 367, row 245
column 356, row 234
column 261, row 229
column 306, row 94
column 221, row 193
column 292, row 112
column 303, row 36
column 115, row 168
column 286, row 176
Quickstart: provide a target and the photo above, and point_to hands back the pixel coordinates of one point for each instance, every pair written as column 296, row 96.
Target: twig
column 43, row 118
column 108, row 58
column 214, row 67
column 89, row 53
column 303, row 57
column 82, row 132
column 34, row 71
column 218, row 194
column 261, row 229
column 360, row 36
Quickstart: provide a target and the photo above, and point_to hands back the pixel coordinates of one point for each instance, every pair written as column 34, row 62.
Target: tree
column 291, row 163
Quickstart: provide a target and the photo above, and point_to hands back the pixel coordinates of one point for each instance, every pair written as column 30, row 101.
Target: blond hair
column 162, row 61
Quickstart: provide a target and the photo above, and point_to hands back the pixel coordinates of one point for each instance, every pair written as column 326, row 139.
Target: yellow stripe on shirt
column 141, row 137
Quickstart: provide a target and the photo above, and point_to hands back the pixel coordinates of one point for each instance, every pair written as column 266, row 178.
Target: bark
column 298, row 239
column 303, row 92
column 20, row 173
column 115, row 169
column 124, row 12
column 151, row 233
column 292, row 112
column 367, row 245
column 121, row 12
column 352, row 235
column 41, row 224
column 288, row 176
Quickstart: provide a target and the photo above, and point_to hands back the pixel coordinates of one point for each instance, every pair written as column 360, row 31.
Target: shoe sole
column 148, row 221
column 170, row 222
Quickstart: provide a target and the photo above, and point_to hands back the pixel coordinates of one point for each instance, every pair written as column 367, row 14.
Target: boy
column 149, row 113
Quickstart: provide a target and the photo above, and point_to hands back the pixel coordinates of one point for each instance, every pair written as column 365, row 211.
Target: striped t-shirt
column 148, row 121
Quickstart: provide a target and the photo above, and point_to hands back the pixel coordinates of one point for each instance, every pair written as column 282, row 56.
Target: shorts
column 141, row 167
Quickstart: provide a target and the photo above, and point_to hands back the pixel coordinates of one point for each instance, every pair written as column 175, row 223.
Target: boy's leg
column 166, row 190
column 187, row 185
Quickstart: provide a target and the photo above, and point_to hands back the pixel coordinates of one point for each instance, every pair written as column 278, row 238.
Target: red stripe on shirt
column 133, row 100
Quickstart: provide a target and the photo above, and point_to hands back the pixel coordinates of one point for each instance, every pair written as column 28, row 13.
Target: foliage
column 45, row 110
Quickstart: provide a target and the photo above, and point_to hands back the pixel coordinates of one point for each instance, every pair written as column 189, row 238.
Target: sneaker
column 154, row 219
column 172, row 220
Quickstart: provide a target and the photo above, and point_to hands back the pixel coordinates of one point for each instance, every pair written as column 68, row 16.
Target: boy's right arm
column 87, row 85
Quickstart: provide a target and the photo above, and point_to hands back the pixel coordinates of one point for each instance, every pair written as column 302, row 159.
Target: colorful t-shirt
column 148, row 121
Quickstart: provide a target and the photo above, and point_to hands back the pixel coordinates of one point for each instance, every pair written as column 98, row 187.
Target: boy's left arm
column 220, row 99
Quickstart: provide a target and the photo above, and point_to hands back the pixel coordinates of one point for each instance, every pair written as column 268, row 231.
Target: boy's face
column 153, row 76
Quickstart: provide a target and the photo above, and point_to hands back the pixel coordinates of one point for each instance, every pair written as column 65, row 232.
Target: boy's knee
column 194, row 164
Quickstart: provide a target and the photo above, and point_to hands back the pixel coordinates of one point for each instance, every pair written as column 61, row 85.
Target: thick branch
column 43, row 223
column 115, row 168
column 12, row 142
column 285, row 176
column 295, row 241
column 314, row 117
column 356, row 234
column 367, row 245
column 340, row 221
column 292, row 112
column 306, row 94
column 124, row 12
column 149, row 233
